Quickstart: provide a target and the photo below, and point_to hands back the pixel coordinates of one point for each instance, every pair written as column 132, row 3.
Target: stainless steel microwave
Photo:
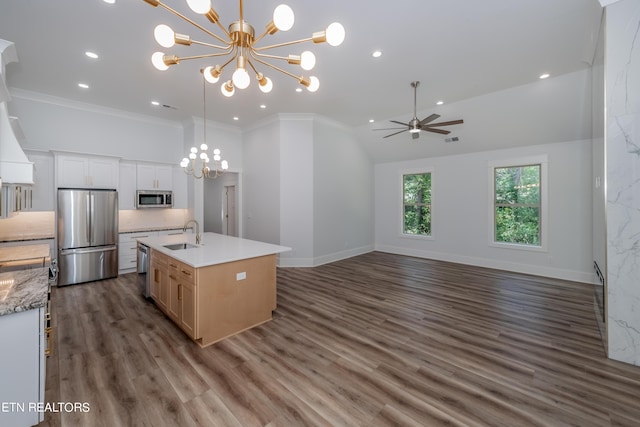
column 154, row 199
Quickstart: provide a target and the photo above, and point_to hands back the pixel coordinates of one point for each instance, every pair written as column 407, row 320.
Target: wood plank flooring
column 373, row 340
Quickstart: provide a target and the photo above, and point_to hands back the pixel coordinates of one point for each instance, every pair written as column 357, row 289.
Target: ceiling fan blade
column 388, row 129
column 400, row 123
column 429, row 119
column 452, row 122
column 396, row 133
column 443, row 132
column 415, row 135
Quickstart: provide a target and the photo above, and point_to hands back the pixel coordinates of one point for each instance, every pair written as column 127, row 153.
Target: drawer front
column 187, row 272
column 125, row 238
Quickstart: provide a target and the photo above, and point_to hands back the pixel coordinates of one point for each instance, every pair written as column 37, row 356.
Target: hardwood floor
column 374, row 340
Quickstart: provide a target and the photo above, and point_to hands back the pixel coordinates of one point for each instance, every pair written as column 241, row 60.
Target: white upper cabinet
column 75, row 171
column 154, row 177
column 42, row 190
column 127, row 187
column 179, row 188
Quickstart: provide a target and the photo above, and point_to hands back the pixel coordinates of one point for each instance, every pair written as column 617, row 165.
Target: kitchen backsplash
column 28, row 226
column 151, row 218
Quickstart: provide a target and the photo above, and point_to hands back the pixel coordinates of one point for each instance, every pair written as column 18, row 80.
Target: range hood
column 15, row 167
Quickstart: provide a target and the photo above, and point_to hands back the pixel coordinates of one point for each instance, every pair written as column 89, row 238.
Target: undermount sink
column 178, row 246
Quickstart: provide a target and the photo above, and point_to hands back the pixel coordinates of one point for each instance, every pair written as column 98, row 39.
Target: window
column 517, row 204
column 416, row 196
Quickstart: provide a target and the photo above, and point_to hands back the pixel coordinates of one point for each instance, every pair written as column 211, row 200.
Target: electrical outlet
column 241, row 276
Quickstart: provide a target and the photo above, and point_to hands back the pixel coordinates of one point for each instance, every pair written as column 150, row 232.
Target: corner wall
column 622, row 148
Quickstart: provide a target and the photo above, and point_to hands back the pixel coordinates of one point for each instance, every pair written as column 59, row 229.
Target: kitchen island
column 214, row 289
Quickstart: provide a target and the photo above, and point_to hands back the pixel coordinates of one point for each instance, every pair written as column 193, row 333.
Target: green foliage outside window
column 517, row 205
column 417, row 204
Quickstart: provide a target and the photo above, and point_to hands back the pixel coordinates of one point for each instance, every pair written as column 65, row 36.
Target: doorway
column 220, row 203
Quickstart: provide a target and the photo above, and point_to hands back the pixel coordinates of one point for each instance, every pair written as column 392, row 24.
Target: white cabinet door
column 43, row 188
column 21, row 364
column 103, row 173
column 87, row 172
column 127, row 187
column 146, row 177
column 164, row 177
column 72, row 171
column 154, row 177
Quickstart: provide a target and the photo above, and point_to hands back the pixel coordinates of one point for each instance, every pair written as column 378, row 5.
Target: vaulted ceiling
column 458, row 49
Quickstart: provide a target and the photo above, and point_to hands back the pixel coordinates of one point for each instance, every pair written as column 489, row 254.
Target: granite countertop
column 23, row 290
column 213, row 249
column 27, row 238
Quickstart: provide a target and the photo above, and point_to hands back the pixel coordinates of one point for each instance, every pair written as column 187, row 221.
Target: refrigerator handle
column 81, row 251
column 92, row 219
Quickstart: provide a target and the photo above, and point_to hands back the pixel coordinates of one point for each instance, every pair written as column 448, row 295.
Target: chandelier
column 239, row 45
column 203, row 170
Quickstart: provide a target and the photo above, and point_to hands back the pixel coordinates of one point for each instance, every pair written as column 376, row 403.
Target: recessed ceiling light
column 109, row 1
column 544, row 76
column 91, row 55
column 371, row 120
column 298, row 90
column 263, row 106
column 236, row 118
column 439, row 102
column 376, row 54
column 83, row 85
column 156, row 103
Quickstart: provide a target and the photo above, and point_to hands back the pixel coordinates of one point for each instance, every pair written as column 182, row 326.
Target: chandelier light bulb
column 194, row 150
column 241, row 78
column 204, row 147
column 268, row 86
column 200, row 6
column 192, row 156
column 203, row 156
column 315, row 84
column 157, row 59
column 211, row 74
column 335, row 34
column 164, row 35
column 216, row 151
column 307, row 60
column 224, row 165
column 227, row 89
column 206, row 160
column 283, row 17
column 216, row 157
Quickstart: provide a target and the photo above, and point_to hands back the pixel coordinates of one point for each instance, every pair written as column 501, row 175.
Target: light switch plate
column 241, row 276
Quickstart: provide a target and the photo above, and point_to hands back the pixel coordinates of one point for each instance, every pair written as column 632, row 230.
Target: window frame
column 542, row 161
column 420, row 171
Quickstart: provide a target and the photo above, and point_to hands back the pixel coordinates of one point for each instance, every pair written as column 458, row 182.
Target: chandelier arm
column 208, row 55
column 308, row 39
column 264, row 55
column 195, row 24
column 228, row 48
column 275, row 68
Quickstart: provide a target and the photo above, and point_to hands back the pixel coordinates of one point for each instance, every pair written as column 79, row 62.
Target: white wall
column 58, row 124
column 297, row 210
column 460, row 218
column 261, row 182
column 342, row 194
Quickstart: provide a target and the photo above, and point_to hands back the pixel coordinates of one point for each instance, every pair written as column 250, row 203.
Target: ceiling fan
column 415, row 125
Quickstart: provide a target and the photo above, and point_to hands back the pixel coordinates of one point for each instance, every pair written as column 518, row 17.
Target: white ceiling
column 458, row 49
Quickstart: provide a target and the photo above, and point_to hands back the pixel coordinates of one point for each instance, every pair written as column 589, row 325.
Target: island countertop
column 213, row 249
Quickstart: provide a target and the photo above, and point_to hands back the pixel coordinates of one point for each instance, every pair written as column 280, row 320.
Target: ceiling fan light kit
column 238, row 46
column 415, row 125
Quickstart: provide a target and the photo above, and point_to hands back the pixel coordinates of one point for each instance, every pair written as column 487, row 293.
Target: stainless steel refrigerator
column 87, row 235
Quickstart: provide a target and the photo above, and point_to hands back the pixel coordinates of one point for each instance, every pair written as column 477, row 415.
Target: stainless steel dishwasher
column 143, row 269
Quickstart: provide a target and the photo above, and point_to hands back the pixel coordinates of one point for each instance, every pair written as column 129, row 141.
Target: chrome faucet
column 197, row 229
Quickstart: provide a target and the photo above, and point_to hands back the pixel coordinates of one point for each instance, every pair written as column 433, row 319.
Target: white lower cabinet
column 22, row 368
column 128, row 247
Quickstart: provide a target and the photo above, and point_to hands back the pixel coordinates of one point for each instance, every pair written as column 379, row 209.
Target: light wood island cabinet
column 212, row 302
